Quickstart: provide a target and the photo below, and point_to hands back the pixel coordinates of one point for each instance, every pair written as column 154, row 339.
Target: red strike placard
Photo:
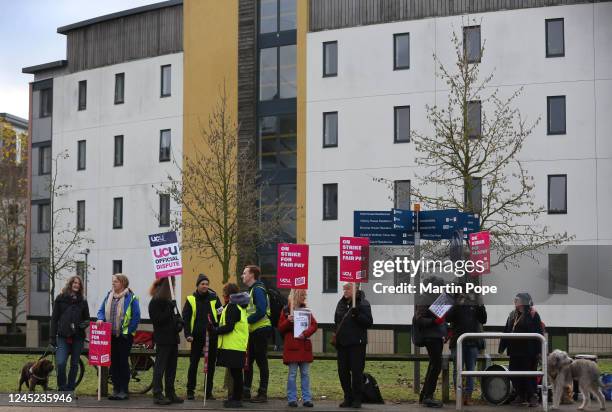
column 292, row 264
column 100, row 344
column 354, row 254
column 480, row 250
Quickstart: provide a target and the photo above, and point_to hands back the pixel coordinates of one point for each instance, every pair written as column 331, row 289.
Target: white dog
column 563, row 370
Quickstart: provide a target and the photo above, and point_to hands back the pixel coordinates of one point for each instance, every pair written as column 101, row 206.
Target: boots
column 467, row 399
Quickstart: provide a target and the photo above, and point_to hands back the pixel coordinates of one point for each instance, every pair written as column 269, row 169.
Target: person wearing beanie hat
column 523, row 353
column 201, row 313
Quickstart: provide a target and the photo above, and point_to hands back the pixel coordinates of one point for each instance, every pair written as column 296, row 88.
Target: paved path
column 146, row 404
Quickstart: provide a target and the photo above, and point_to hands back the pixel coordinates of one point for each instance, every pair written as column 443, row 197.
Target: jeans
column 120, row 364
column 434, row 351
column 470, row 353
column 258, row 352
column 351, row 362
column 304, row 380
column 65, row 349
column 165, row 367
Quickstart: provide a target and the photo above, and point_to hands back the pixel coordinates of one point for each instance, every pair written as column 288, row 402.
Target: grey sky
column 28, row 32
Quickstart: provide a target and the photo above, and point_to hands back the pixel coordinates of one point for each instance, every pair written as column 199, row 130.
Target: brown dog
column 36, row 373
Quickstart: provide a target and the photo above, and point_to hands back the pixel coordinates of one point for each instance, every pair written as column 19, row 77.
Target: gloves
column 213, row 331
column 354, row 312
column 439, row 321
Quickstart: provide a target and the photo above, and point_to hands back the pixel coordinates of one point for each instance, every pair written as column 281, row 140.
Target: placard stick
column 354, row 294
column 171, row 288
column 99, row 382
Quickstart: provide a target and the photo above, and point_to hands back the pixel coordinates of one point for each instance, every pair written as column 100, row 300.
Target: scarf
column 119, row 311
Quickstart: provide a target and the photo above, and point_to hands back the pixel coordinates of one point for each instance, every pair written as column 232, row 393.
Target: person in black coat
column 523, row 353
column 207, row 309
column 166, row 338
column 433, row 331
column 352, row 325
column 69, row 319
column 466, row 316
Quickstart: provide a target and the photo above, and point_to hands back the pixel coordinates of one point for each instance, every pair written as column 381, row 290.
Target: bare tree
column 13, row 207
column 218, row 194
column 65, row 239
column 470, row 161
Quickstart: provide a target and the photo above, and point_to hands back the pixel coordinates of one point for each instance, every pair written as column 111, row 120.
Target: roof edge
column 119, row 14
column 14, row 120
column 45, row 66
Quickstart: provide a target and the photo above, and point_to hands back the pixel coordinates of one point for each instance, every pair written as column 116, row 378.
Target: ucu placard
column 166, row 254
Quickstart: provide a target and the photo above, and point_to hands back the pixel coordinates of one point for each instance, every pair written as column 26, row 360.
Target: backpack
column 277, row 303
column 371, row 391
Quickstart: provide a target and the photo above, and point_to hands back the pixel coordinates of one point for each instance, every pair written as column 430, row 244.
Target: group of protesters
column 235, row 330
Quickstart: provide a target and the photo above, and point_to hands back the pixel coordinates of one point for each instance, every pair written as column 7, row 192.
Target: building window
column 276, row 15
column 555, row 109
column 80, row 215
column 330, row 129
column 401, row 121
column 118, row 151
column 401, row 51
column 164, row 210
column 42, row 277
column 330, row 201
column 557, row 273
column 330, row 274
column 83, row 95
column 277, row 73
column 474, row 119
column 471, row 44
column 166, row 80
column 44, row 217
column 118, row 213
column 117, row 266
column 44, row 160
column 401, row 194
column 46, row 102
column 81, row 155
column 164, row 145
column 557, row 194
column 555, row 38
column 80, row 269
column 119, row 87
column 330, row 59
column 277, row 140
column 472, row 195
column 277, row 202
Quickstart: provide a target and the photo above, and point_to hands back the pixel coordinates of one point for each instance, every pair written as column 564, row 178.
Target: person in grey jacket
column 433, row 330
column 352, row 325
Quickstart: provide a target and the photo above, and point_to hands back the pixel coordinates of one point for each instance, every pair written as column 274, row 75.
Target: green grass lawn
column 394, row 378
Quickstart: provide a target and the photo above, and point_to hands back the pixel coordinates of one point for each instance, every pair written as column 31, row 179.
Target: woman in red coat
column 297, row 352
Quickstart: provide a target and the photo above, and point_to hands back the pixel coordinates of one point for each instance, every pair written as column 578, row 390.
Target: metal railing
column 461, row 373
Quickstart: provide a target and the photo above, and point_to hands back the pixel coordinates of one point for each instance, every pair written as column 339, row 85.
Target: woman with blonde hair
column 297, row 351
column 69, row 319
column 121, row 309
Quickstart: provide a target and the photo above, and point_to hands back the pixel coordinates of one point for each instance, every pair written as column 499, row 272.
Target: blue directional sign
column 378, row 226
column 396, row 227
column 402, row 219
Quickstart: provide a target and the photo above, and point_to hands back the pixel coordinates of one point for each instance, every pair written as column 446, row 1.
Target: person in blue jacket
column 260, row 330
column 121, row 309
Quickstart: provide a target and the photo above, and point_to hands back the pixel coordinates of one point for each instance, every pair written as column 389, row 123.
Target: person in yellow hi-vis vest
column 200, row 307
column 233, row 338
column 260, row 330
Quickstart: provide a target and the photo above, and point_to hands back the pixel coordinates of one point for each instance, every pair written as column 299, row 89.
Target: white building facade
column 366, row 89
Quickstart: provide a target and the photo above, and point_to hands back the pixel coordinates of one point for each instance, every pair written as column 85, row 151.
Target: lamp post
column 86, row 253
